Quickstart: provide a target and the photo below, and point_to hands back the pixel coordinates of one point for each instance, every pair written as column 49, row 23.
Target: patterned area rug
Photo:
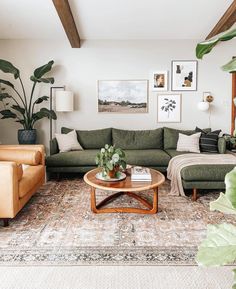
column 57, row 227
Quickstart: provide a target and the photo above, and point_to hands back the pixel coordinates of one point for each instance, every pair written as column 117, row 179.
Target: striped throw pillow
column 188, row 143
column 209, row 141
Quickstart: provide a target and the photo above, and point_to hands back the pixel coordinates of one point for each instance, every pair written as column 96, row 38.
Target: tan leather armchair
column 18, row 183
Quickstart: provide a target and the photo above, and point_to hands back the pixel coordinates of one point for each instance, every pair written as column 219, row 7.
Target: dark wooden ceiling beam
column 68, row 22
column 226, row 21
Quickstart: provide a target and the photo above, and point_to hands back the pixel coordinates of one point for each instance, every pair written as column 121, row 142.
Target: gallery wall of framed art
column 131, row 96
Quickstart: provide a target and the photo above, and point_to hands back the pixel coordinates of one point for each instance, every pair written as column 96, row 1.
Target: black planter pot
column 27, row 136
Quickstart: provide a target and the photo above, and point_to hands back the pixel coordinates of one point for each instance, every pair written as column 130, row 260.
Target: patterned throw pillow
column 188, row 143
column 209, row 141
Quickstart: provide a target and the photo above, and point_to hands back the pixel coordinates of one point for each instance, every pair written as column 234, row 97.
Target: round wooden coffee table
column 125, row 187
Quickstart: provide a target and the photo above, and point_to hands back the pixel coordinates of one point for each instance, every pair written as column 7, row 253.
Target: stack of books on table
column 140, row 174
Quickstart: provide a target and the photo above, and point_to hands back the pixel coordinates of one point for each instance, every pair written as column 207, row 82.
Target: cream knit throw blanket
column 177, row 163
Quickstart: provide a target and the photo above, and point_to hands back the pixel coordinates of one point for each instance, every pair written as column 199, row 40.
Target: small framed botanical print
column 184, row 75
column 169, row 108
column 159, row 81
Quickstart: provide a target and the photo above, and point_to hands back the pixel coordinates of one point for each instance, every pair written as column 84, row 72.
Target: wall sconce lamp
column 207, row 98
column 64, row 102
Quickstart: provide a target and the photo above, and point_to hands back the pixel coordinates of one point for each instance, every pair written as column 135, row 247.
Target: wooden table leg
column 93, row 200
column 194, row 195
column 155, row 201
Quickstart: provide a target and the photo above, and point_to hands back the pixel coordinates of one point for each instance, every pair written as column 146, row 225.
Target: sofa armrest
column 39, row 148
column 222, row 145
column 9, row 199
column 54, row 146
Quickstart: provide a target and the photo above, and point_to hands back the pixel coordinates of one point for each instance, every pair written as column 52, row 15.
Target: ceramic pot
column 27, row 136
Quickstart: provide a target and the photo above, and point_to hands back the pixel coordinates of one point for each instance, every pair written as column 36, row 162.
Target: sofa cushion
column 87, row 158
column 205, row 172
column 31, row 177
column 173, row 153
column 92, row 139
column 149, row 158
column 171, row 136
column 138, row 139
column 73, row 159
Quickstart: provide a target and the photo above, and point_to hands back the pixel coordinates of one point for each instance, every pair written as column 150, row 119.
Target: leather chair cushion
column 31, row 177
column 28, row 157
column 19, row 172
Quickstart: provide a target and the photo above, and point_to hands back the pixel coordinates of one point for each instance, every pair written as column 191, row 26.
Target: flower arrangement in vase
column 111, row 160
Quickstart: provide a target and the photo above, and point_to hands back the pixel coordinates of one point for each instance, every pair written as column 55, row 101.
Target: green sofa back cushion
column 138, row 139
column 92, row 139
column 171, row 136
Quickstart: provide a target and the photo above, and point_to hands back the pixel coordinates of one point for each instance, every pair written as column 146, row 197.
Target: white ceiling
column 112, row 19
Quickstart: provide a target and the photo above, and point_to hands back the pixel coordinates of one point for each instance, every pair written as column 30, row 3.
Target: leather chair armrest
column 9, row 199
column 39, row 148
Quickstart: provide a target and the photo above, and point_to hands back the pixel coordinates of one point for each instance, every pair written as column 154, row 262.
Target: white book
column 140, row 174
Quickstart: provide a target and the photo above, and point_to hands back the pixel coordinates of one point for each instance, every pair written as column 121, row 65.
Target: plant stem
column 30, row 104
column 23, row 89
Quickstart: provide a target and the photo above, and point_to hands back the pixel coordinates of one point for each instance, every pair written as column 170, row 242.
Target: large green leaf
column 8, row 83
column 226, row 203
column 223, row 205
column 230, row 66
column 219, row 248
column 234, row 286
column 206, row 46
column 8, row 67
column 4, row 95
column 41, row 99
column 39, row 72
column 6, row 113
column 44, row 112
column 19, row 109
column 45, row 80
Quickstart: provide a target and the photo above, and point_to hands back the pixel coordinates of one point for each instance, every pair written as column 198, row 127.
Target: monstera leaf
column 226, row 203
column 219, row 248
column 8, row 67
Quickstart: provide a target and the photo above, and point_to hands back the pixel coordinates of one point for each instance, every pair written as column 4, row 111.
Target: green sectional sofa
column 151, row 148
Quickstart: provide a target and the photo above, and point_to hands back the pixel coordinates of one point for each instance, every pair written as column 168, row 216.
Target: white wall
column 79, row 70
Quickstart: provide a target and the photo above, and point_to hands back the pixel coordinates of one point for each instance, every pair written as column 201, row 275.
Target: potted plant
column 20, row 107
column 111, row 160
column 219, row 247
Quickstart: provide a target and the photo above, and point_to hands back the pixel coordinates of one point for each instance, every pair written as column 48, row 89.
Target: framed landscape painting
column 184, row 75
column 160, row 81
column 169, row 108
column 123, row 96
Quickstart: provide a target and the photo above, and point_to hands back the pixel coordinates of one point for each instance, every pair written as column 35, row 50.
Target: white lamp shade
column 203, row 105
column 64, row 100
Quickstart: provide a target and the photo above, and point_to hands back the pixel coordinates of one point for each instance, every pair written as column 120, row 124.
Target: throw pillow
column 188, row 143
column 209, row 140
column 68, row 142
